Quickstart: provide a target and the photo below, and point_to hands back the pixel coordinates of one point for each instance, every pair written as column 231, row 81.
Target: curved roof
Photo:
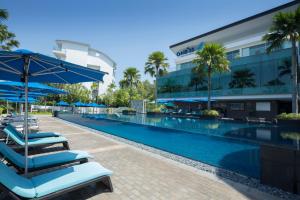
column 90, row 48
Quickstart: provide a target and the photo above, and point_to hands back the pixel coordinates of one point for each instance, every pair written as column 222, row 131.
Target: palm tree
column 94, row 89
column 112, row 86
column 286, row 27
column 123, row 84
column 212, row 58
column 131, row 79
column 242, row 78
column 198, row 79
column 3, row 14
column 285, row 69
column 156, row 66
column 7, row 39
column 275, row 82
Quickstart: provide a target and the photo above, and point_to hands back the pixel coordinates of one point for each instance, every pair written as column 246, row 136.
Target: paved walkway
column 140, row 175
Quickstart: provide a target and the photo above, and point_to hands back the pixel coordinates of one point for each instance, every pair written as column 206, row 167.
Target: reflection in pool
column 229, row 145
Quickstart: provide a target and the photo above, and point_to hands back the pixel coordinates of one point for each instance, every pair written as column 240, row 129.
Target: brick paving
column 141, row 175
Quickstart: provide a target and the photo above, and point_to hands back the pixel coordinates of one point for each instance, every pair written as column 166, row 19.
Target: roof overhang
column 255, row 24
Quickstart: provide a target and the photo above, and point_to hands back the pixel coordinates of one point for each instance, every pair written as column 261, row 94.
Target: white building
column 266, row 92
column 84, row 55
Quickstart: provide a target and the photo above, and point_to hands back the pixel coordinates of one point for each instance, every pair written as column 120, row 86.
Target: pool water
column 228, row 145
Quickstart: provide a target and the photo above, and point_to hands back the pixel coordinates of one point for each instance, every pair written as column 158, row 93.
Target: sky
column 126, row 30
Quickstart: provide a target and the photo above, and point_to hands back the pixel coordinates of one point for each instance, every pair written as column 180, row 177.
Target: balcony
column 263, row 73
column 59, row 53
column 267, row 90
column 279, row 54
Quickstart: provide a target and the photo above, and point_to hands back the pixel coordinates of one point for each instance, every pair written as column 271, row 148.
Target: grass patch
column 42, row 113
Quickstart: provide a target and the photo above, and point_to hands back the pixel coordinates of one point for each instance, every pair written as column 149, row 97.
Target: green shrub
column 157, row 109
column 288, row 116
column 154, row 107
column 210, row 113
column 2, row 110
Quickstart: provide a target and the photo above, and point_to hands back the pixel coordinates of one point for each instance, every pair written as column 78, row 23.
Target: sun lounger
column 32, row 135
column 54, row 183
column 256, row 119
column 36, row 141
column 42, row 161
column 19, row 126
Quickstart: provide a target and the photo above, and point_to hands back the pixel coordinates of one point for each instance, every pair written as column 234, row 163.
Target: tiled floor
column 142, row 175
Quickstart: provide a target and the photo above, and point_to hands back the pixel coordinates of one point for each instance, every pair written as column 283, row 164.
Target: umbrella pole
column 26, row 114
column 26, row 125
column 7, row 107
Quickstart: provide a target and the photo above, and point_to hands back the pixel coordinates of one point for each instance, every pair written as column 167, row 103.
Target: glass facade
column 185, row 65
column 233, row 55
column 254, row 73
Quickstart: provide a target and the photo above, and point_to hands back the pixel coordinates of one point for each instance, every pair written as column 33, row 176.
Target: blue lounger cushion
column 13, row 156
column 35, row 141
column 60, row 157
column 43, row 134
column 67, row 177
column 32, row 135
column 16, row 183
column 44, row 184
column 42, row 160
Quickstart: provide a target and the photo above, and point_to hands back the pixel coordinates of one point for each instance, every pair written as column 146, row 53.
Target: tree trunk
column 294, row 78
column 155, row 84
column 208, row 88
column 130, row 94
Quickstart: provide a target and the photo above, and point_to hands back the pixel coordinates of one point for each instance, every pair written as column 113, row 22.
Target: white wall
column 82, row 54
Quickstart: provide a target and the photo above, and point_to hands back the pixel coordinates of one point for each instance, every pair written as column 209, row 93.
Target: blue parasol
column 62, row 103
column 32, row 87
column 26, row 66
column 18, row 99
column 79, row 104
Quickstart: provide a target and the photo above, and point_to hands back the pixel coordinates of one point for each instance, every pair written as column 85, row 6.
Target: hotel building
column 258, row 84
column 82, row 54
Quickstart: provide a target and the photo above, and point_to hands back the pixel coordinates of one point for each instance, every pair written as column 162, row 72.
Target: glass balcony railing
column 267, row 90
column 264, row 71
column 279, row 54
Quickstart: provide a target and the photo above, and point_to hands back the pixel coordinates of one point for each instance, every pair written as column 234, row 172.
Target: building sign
column 189, row 50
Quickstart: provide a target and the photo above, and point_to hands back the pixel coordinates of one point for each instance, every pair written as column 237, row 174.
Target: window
column 258, row 49
column 93, row 67
column 237, row 106
column 233, row 54
column 286, row 45
column 245, row 52
column 263, row 106
column 185, row 65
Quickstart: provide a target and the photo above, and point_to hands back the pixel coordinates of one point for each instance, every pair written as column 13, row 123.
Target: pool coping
column 215, row 173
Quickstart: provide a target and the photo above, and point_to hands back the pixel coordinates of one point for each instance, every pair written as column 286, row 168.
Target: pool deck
column 141, row 175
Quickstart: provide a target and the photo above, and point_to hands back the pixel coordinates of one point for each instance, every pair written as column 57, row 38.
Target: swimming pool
column 229, row 145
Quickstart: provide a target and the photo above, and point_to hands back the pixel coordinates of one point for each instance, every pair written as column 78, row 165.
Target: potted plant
column 288, row 119
column 155, row 110
column 295, row 136
column 209, row 114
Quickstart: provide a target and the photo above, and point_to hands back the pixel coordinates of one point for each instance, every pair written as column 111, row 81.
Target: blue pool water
column 228, row 145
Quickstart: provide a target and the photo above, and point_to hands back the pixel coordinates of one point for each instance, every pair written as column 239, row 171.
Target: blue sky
column 127, row 30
